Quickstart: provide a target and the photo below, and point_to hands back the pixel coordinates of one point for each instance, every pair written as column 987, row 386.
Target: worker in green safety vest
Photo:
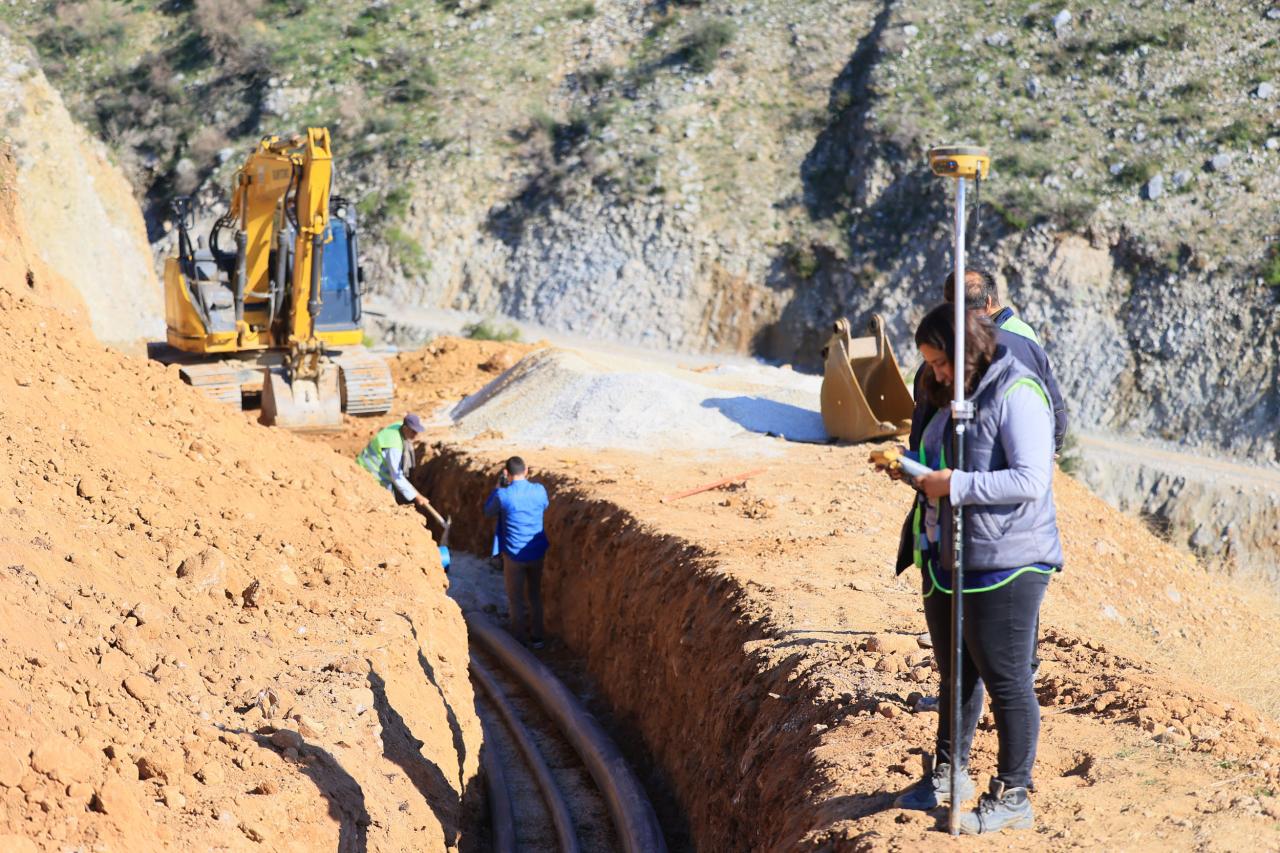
column 389, row 455
column 980, row 293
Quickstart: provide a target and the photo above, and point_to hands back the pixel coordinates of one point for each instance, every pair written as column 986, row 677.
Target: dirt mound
column 215, row 635
column 444, row 371
column 451, row 368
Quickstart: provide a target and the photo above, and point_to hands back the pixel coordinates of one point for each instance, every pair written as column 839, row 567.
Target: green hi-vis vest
column 370, row 458
column 1017, row 327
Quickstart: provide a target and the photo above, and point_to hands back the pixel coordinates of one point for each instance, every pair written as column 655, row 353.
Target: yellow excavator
column 864, row 396
column 279, row 314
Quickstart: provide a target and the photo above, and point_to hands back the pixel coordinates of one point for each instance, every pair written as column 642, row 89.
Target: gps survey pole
column 962, row 163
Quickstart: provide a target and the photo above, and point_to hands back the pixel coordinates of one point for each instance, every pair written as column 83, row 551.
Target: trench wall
column 662, row 631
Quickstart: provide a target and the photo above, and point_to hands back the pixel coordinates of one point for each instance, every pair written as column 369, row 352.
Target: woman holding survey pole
column 1011, row 550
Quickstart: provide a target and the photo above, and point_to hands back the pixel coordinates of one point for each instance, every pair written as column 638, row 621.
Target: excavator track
column 364, row 378
column 367, row 387
column 222, row 381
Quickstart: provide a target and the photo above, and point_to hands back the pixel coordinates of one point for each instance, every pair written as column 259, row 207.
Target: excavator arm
column 311, row 203
column 304, row 393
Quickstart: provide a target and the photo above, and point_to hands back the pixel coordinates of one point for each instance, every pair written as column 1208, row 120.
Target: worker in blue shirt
column 519, row 506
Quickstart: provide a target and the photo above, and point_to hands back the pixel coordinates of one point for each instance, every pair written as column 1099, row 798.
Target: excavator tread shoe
column 367, row 387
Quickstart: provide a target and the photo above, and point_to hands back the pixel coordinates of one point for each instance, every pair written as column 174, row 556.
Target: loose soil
column 756, row 643
column 215, row 636
column 426, row 381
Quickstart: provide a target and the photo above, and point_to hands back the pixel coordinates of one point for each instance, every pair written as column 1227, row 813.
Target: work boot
column 999, row 808
column 934, row 789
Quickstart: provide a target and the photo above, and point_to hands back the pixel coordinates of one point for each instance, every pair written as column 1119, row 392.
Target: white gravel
column 560, row 398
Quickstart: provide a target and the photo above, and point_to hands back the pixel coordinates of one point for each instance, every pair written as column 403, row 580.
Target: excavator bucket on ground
column 311, row 403
column 863, row 394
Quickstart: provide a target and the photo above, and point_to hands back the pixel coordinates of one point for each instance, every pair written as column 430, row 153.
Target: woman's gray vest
column 1001, row 536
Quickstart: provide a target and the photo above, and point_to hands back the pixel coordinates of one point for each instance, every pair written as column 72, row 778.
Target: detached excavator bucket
column 863, row 394
column 302, row 404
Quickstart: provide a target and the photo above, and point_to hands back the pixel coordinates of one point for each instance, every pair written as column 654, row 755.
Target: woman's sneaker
column 999, row 808
column 934, row 789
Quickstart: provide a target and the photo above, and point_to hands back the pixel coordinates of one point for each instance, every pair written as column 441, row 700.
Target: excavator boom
column 303, row 393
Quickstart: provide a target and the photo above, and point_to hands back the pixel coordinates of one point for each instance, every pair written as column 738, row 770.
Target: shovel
column 445, row 524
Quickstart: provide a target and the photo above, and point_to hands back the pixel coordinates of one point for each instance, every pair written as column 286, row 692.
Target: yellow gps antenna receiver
column 962, row 163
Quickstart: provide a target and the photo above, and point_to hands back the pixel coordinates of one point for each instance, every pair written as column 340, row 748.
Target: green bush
column 406, row 250
column 581, row 12
column 545, row 121
column 1017, row 207
column 595, row 79
column 1239, row 133
column 1071, row 459
column 230, row 28
column 1197, row 88
column 490, row 330
column 414, row 88
column 702, row 46
column 660, row 26
column 1138, row 172
column 1271, row 268
column 1030, row 165
column 803, row 261
column 1073, row 212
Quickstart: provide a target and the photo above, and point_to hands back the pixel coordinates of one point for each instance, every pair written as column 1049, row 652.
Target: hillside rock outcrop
column 81, row 217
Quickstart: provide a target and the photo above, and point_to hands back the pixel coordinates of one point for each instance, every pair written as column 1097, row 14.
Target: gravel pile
column 561, row 397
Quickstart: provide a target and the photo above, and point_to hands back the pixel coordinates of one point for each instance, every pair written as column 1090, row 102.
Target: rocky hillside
column 85, row 228
column 706, row 174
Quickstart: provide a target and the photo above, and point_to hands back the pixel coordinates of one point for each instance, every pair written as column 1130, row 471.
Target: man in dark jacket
column 980, row 294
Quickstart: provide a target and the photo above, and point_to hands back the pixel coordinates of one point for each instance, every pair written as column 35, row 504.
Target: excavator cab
column 863, row 394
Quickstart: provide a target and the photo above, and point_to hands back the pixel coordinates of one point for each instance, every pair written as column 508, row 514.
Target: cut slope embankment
column 215, row 635
column 82, row 221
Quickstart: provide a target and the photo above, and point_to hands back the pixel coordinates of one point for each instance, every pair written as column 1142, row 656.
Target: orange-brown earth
column 757, row 649
column 212, row 635
column 442, row 372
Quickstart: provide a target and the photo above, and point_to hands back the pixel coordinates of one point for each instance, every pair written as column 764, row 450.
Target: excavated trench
column 663, row 637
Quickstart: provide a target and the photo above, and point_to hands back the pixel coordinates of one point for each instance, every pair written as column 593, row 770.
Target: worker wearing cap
column 390, row 454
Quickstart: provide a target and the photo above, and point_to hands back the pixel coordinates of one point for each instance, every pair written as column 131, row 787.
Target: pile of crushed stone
column 561, row 397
